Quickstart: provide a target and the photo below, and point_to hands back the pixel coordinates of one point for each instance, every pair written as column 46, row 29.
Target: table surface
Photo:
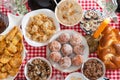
column 41, row 51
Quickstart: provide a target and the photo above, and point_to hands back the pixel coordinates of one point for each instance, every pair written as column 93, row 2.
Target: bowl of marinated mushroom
column 38, row 68
column 93, row 69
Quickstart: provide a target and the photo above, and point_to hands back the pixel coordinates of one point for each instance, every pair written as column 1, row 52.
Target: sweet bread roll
column 109, row 48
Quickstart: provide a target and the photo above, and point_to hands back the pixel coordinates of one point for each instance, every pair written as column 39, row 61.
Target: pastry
column 109, row 48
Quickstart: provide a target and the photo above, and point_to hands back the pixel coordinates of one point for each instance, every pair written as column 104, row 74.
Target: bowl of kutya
column 68, row 12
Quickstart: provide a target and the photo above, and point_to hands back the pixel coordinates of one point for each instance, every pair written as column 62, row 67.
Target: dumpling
column 65, row 62
column 66, row 49
column 55, row 56
column 54, row 46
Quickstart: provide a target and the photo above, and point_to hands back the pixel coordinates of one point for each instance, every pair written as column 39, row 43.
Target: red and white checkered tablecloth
column 41, row 51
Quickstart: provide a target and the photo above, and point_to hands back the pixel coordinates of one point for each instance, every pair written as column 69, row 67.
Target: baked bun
column 109, row 48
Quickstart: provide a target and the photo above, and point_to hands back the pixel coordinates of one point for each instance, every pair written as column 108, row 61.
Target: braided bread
column 109, row 48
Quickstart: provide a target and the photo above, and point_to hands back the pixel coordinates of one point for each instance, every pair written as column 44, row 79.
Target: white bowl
column 25, row 21
column 76, row 75
column 56, row 9
column 41, row 58
column 104, row 69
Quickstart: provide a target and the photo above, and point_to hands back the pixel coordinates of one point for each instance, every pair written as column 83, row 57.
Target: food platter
column 74, row 47
column 7, row 32
column 85, row 52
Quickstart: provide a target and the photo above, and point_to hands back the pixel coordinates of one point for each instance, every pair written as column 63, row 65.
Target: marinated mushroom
column 38, row 70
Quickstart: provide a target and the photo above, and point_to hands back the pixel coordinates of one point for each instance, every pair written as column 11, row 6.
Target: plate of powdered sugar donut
column 67, row 50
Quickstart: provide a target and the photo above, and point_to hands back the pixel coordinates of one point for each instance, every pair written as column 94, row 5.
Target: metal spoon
column 56, row 3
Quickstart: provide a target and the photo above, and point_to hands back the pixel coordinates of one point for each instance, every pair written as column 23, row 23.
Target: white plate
column 14, row 21
column 85, row 52
column 41, row 58
column 104, row 69
column 33, row 13
column 76, row 75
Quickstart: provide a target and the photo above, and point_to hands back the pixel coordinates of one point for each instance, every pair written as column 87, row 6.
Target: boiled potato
column 3, row 69
column 20, row 47
column 2, row 37
column 11, row 34
column 3, row 75
column 8, row 67
column 1, row 64
column 6, row 52
column 5, row 59
column 2, row 46
column 15, row 62
column 13, row 71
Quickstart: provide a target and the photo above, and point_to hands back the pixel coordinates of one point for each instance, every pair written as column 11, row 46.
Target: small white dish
column 104, row 69
column 85, row 52
column 68, row 11
column 41, row 58
column 25, row 21
column 75, row 75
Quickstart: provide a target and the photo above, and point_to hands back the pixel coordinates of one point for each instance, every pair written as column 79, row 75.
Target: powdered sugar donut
column 65, row 62
column 64, row 38
column 54, row 46
column 75, row 39
column 66, row 49
column 77, row 60
column 78, row 49
column 55, row 56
